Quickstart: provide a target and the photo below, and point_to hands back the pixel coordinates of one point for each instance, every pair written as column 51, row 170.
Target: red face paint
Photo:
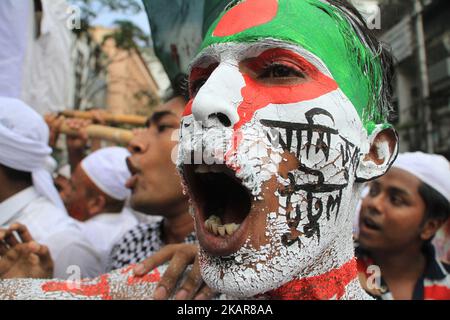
column 246, row 15
column 329, row 285
column 257, row 95
column 188, row 108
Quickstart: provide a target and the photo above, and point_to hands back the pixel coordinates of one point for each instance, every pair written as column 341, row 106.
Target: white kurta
column 104, row 230
column 48, row 83
column 38, row 69
column 49, row 226
column 14, row 27
column 41, row 217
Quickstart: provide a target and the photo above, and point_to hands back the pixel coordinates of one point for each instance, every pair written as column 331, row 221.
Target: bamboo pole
column 109, row 118
column 120, row 136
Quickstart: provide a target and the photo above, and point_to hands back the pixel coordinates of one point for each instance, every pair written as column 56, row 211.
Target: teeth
column 221, row 230
column 214, row 228
column 214, row 225
column 231, row 228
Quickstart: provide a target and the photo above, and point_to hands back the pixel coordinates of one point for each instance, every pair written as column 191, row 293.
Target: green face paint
column 319, row 28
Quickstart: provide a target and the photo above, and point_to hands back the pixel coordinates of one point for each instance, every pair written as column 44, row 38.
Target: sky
column 107, row 19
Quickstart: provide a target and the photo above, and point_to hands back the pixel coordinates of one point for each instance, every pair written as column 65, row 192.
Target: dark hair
column 382, row 93
column 17, row 175
column 180, row 87
column 436, row 205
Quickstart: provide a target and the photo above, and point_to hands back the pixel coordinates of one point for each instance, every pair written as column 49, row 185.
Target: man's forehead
column 172, row 108
column 400, row 179
column 314, row 25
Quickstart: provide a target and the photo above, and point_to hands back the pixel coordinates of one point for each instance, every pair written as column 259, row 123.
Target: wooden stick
column 109, row 118
column 116, row 135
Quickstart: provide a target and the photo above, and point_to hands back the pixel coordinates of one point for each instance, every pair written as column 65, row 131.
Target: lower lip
column 218, row 245
column 131, row 183
column 366, row 229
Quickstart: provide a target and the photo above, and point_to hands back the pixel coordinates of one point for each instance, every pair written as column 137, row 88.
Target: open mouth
column 222, row 205
column 368, row 223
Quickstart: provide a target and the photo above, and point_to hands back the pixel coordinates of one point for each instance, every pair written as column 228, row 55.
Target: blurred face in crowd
column 393, row 213
column 270, row 149
column 64, row 188
column 85, row 199
column 155, row 183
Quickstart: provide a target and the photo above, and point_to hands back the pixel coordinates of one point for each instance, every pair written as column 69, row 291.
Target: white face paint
column 296, row 159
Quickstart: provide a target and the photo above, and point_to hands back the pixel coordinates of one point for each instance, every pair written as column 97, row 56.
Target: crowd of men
column 138, row 206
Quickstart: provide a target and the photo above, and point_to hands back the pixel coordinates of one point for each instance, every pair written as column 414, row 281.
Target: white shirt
column 71, row 252
column 41, row 217
column 14, row 24
column 48, row 84
column 104, row 230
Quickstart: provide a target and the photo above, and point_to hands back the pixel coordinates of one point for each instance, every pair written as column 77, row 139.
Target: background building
column 419, row 35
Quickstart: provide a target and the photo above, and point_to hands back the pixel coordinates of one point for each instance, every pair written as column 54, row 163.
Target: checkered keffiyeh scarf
column 138, row 244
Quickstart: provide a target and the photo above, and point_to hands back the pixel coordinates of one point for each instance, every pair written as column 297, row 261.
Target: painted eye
column 280, row 71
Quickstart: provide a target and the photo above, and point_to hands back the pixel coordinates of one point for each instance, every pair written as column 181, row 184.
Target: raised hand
column 21, row 256
column 181, row 257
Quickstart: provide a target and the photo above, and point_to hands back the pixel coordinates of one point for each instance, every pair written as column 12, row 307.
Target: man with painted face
column 287, row 116
column 288, row 109
column 399, row 218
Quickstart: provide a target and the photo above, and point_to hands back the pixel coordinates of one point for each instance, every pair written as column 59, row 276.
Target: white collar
column 106, row 217
column 12, row 206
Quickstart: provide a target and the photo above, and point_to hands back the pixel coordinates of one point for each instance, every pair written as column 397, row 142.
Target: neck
column 333, row 275
column 405, row 263
column 177, row 227
column 10, row 188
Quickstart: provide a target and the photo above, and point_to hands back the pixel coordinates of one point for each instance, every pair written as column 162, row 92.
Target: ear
column 96, row 205
column 430, row 227
column 383, row 149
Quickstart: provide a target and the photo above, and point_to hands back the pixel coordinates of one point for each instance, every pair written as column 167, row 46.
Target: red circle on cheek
column 248, row 14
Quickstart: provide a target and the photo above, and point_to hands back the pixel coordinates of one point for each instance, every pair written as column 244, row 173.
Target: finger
column 44, row 255
column 13, row 254
column 3, row 248
column 11, row 239
column 3, row 245
column 33, row 259
column 191, row 284
column 174, row 272
column 22, row 231
column 159, row 258
column 205, row 293
column 3, row 233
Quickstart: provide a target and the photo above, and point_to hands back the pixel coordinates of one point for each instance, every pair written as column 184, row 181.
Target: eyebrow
column 399, row 191
column 157, row 116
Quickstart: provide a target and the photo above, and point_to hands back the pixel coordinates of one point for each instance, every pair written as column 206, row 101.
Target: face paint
column 300, row 141
column 271, row 143
column 354, row 67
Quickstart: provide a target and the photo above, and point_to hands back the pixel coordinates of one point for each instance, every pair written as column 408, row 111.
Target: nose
column 373, row 204
column 138, row 143
column 220, row 96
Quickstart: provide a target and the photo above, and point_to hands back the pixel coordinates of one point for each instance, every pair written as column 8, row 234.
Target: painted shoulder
column 118, row 285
